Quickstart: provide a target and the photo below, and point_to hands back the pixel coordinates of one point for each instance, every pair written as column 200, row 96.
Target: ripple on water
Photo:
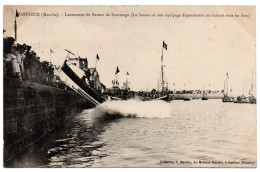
column 196, row 130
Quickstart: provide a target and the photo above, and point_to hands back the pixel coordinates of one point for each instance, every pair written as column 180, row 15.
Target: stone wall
column 32, row 111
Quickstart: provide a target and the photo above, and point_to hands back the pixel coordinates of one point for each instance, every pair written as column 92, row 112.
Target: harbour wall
column 32, row 111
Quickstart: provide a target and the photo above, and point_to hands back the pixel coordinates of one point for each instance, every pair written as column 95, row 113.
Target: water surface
column 156, row 134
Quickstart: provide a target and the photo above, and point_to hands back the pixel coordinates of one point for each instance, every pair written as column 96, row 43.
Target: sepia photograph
column 104, row 86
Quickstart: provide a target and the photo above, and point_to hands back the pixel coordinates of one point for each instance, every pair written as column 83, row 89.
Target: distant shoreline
column 198, row 96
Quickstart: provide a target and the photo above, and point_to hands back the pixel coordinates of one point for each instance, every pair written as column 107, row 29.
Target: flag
column 117, row 70
column 17, row 14
column 127, row 73
column 97, row 57
column 51, row 51
column 164, row 45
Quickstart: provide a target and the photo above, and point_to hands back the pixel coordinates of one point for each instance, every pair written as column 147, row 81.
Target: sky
column 201, row 50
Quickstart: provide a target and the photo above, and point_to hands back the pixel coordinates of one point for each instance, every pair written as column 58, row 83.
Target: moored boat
column 164, row 98
column 204, row 95
column 250, row 99
column 242, row 99
column 204, row 98
column 186, row 99
column 227, row 99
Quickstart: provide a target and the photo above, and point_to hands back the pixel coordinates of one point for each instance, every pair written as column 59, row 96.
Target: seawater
column 155, row 133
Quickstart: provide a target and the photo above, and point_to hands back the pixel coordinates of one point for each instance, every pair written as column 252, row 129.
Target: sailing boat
column 242, row 99
column 252, row 97
column 164, row 93
column 226, row 97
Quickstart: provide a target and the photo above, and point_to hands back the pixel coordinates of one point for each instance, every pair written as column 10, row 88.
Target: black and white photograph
column 104, row 86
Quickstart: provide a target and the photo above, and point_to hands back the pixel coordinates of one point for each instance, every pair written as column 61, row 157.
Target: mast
column 162, row 70
column 15, row 30
column 126, row 81
column 224, row 87
column 158, row 86
column 227, row 83
column 116, row 77
column 252, row 85
column 117, row 83
column 243, row 89
column 203, row 91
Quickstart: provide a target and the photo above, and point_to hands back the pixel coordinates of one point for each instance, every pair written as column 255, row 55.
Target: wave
column 133, row 108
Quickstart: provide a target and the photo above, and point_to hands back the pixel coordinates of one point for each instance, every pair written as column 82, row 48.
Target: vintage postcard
column 129, row 86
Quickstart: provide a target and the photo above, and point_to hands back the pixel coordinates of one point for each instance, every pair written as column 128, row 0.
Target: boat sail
column 226, row 97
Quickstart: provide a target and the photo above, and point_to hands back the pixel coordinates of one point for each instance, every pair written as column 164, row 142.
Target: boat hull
column 82, row 84
column 164, row 98
column 186, row 99
column 204, row 98
column 242, row 102
column 228, row 99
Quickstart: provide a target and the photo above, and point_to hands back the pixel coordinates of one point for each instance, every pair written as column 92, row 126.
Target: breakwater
column 32, row 111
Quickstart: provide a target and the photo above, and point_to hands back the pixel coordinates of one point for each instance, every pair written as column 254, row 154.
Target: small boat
column 204, row 95
column 165, row 98
column 186, row 99
column 242, row 99
column 115, row 98
column 227, row 99
column 252, row 99
column 204, row 98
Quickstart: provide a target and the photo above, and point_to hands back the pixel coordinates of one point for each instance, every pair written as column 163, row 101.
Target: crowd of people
column 154, row 94
column 20, row 62
column 198, row 91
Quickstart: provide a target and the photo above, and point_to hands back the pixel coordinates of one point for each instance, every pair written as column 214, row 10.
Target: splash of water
column 134, row 108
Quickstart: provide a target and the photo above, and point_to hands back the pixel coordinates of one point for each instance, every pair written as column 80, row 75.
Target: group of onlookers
column 20, row 62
